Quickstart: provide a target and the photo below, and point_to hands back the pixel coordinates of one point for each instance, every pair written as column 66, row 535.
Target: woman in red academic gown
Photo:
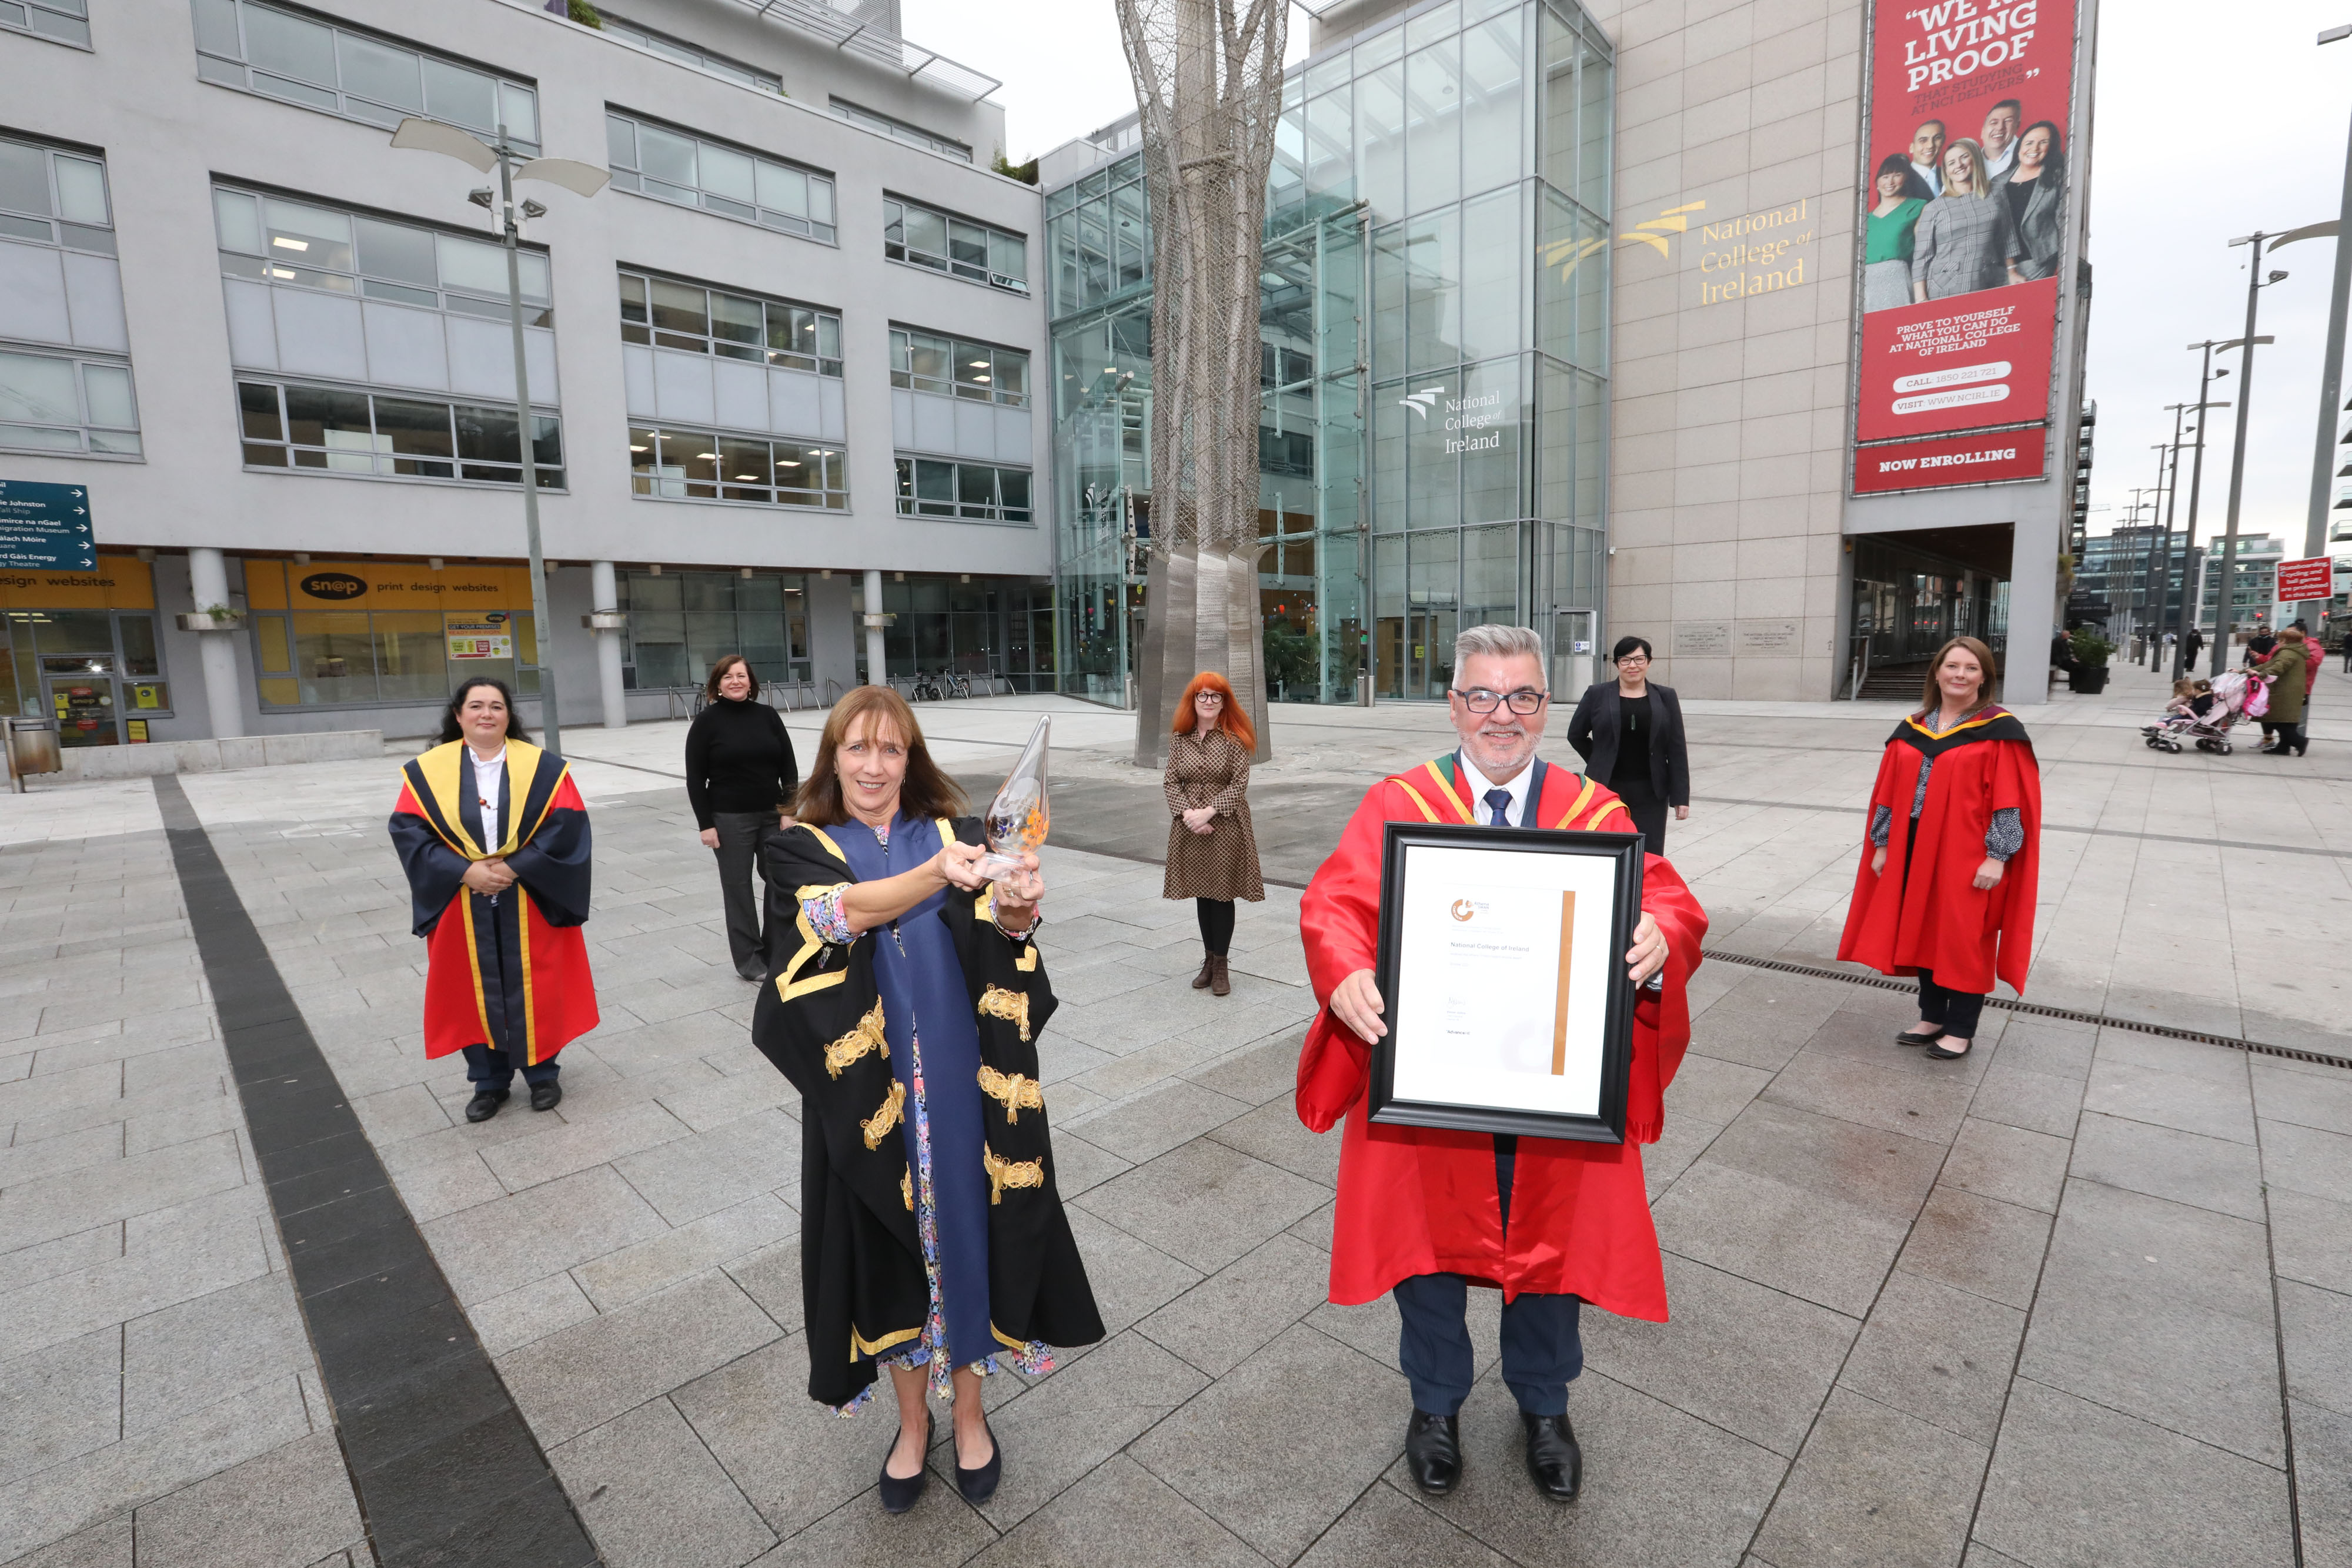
column 1946, row 886
column 494, row 837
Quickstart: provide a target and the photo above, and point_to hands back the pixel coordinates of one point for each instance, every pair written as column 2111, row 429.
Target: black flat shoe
column 546, row 1096
column 1432, row 1451
column 484, row 1105
column 1913, row 1036
column 1554, row 1461
column 1938, row 1053
column 900, row 1494
column 979, row 1484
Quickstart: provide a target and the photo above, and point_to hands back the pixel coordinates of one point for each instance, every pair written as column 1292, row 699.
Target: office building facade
column 779, row 369
column 1564, row 320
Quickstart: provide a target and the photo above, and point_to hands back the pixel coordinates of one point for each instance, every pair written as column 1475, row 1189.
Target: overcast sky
column 2211, row 122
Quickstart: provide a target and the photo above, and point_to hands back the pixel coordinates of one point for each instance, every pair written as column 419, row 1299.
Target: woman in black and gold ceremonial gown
column 494, row 837
column 905, row 1001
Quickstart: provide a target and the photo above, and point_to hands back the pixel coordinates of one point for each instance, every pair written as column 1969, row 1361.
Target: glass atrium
column 1434, row 323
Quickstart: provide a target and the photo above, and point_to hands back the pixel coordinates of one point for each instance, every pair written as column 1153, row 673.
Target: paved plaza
column 2085, row 1299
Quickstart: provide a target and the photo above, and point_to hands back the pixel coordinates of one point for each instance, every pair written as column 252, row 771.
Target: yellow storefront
column 80, row 647
column 374, row 634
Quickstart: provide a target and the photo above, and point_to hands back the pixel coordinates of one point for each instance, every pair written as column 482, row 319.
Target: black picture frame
column 1606, row 1126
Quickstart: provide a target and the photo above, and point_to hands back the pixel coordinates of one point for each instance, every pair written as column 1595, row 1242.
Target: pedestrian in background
column 2283, row 671
column 1630, row 734
column 1212, row 847
column 1951, row 898
column 740, row 778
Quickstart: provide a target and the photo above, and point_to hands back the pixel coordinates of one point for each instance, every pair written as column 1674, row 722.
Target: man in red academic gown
column 1425, row 1213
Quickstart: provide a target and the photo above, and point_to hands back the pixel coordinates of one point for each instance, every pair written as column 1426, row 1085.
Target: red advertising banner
column 2311, row 578
column 1950, row 460
column 1967, row 214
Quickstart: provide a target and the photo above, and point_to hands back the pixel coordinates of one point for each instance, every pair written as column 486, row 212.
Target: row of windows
column 693, row 55
column 702, row 465
column 41, row 183
column 356, row 74
column 54, row 403
column 65, row 19
column 735, row 326
column 292, row 425
column 279, row 241
column 899, row 129
column 975, row 252
column 676, row 167
column 924, row 361
column 931, row 488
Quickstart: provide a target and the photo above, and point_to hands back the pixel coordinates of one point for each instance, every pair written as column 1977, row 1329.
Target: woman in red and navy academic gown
column 1424, row 1212
column 494, row 837
column 1946, row 886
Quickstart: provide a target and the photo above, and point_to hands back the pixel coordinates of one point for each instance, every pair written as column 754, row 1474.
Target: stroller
column 2231, row 694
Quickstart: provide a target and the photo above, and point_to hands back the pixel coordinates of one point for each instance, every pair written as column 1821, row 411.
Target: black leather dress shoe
column 484, row 1105
column 1432, row 1451
column 546, row 1096
column 1554, row 1461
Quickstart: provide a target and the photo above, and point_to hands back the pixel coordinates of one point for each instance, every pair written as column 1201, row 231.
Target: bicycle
column 959, row 686
column 926, row 688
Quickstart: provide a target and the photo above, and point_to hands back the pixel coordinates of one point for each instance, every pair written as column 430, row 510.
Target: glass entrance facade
column 1434, row 324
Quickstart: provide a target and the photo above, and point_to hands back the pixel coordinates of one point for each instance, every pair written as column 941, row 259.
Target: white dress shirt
column 1476, row 784
column 488, row 777
column 1933, row 176
column 1995, row 167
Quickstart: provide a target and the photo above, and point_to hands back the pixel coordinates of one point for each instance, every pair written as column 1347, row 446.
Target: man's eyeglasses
column 1524, row 702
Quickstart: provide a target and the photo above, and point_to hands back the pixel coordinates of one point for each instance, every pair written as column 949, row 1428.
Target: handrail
column 1859, row 664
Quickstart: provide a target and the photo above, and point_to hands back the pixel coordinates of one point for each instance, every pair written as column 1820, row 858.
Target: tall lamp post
column 583, row 179
column 2191, row 595
column 2157, row 576
column 2223, row 622
column 2331, row 367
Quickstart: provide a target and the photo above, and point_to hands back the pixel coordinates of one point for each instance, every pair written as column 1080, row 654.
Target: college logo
column 1464, row 909
column 335, row 585
column 1422, row 402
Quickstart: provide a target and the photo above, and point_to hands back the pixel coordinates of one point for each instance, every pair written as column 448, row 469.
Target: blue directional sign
column 46, row 528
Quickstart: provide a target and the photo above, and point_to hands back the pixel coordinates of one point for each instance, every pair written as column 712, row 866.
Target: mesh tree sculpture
column 1208, row 83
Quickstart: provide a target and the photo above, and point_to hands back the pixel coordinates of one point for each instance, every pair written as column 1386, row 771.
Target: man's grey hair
column 1500, row 643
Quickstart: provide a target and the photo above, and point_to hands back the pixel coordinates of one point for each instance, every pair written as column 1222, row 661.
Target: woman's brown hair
column 1231, row 719
column 925, row 792
column 1931, row 695
column 718, row 673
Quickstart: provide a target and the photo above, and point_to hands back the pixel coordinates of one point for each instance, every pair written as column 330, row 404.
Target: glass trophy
column 1016, row 822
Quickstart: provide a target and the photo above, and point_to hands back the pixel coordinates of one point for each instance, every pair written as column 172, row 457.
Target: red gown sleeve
column 2016, row 783
column 1338, row 922
column 1662, row 1018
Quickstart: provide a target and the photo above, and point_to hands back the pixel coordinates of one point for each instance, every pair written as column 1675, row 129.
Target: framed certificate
column 1502, row 964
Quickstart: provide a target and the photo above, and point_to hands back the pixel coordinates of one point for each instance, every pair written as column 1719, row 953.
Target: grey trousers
column 741, row 836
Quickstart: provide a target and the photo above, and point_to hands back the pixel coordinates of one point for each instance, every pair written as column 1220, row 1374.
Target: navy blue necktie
column 1500, row 800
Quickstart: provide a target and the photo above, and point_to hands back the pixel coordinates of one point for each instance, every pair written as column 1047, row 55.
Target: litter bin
column 32, row 747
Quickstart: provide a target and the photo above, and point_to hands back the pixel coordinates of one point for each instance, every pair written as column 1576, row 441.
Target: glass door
column 81, row 693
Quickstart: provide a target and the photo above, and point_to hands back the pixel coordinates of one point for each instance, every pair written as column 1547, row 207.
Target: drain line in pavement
column 443, row 1467
column 2035, row 1010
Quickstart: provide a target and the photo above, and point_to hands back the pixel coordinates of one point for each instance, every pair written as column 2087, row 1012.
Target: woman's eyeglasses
column 1213, row 698
column 1524, row 702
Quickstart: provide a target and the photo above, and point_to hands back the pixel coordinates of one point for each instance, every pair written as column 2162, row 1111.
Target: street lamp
column 2192, row 601
column 2331, row 367
column 583, row 179
column 2255, row 283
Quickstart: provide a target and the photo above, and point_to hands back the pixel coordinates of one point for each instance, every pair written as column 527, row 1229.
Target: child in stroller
column 2202, row 711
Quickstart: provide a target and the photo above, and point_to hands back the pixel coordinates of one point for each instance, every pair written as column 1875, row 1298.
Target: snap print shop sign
column 1968, row 196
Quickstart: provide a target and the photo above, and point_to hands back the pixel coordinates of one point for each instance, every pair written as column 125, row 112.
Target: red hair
column 1232, row 720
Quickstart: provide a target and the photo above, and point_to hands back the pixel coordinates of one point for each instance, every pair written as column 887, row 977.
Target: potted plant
column 2089, row 675
column 211, row 618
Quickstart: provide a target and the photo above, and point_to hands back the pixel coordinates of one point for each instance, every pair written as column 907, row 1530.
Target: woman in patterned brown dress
column 1212, row 850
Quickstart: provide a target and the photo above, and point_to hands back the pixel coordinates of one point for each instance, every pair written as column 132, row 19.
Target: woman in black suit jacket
column 1630, row 734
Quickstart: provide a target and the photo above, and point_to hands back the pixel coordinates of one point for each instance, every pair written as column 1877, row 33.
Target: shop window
column 681, row 623
column 658, row 311
column 981, row 372
column 922, row 237
column 340, row 70
column 678, row 166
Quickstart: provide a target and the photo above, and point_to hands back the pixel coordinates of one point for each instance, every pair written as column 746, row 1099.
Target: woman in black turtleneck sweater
column 740, row 777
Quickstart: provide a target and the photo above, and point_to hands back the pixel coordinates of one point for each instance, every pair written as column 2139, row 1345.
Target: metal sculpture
column 1208, row 86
